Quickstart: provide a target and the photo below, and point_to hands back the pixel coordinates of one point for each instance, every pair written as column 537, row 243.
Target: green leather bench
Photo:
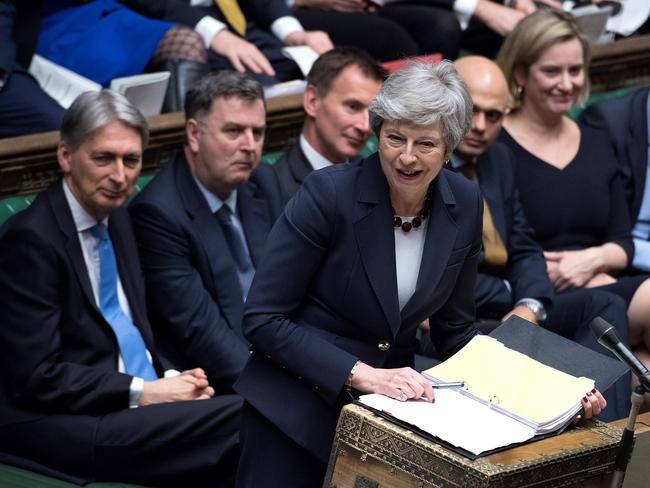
column 11, row 477
column 12, row 205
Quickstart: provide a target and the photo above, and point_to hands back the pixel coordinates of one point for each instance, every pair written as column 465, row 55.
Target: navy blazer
column 291, row 169
column 193, row 290
column 326, row 294
column 59, row 355
column 626, row 120
column 526, row 268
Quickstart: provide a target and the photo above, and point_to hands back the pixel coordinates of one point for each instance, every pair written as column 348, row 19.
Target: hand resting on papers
column 399, row 383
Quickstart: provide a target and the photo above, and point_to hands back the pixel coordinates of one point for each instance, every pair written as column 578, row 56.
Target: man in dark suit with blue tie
column 202, row 223
column 512, row 276
column 626, row 120
column 82, row 394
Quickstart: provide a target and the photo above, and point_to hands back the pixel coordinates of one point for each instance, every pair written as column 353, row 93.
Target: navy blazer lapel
column 128, row 266
column 488, row 181
column 225, row 282
column 63, row 216
column 439, row 243
column 255, row 219
column 298, row 163
column 376, row 238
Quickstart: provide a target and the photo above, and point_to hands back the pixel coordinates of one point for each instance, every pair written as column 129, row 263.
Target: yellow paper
column 516, row 383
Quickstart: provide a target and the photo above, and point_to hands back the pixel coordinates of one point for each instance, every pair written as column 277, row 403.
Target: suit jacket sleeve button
column 383, row 346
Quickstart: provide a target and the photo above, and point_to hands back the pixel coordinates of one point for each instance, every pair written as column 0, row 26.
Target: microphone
column 606, row 335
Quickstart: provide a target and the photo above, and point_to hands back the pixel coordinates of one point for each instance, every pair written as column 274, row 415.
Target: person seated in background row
column 567, row 175
column 361, row 255
column 512, row 276
column 420, row 28
column 24, row 107
column 106, row 39
column 202, row 223
column 492, row 20
column 626, row 120
column 244, row 35
column 78, row 355
column 340, row 86
column 483, row 23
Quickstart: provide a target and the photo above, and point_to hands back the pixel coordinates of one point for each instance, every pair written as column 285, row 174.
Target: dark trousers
column 285, row 68
column 480, row 39
column 192, row 443
column 25, row 108
column 270, row 459
column 434, row 29
column 382, row 38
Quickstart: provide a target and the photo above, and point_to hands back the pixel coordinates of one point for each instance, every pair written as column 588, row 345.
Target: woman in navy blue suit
column 363, row 253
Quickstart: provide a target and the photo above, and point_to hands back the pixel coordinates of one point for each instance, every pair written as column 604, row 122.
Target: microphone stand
column 627, row 439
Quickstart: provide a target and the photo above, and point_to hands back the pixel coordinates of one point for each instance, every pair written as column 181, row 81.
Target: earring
column 520, row 91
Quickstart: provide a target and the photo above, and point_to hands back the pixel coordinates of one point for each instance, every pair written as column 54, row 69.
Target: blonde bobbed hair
column 528, row 41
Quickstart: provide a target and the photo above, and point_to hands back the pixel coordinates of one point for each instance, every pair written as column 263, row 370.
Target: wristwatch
column 534, row 306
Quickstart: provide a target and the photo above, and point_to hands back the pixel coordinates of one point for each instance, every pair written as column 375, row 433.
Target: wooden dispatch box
column 371, row 452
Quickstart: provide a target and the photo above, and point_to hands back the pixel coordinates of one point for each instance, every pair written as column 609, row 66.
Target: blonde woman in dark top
column 567, row 174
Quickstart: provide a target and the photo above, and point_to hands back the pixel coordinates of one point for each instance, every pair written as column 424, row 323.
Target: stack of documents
column 508, row 398
column 456, row 419
column 514, row 384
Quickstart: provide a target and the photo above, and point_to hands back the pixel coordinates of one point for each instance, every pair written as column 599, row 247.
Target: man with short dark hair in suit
column 626, row 120
column 78, row 355
column 512, row 278
column 202, row 223
column 340, row 86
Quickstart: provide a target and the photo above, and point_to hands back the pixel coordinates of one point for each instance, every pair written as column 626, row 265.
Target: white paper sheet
column 60, row 83
column 632, row 16
column 456, row 419
column 304, row 56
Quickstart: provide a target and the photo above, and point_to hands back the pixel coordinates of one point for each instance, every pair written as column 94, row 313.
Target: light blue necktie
column 132, row 348
column 235, row 239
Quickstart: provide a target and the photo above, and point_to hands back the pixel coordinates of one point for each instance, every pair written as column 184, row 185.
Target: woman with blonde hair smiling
column 567, row 174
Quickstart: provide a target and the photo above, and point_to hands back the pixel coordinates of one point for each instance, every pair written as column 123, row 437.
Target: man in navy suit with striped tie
column 201, row 226
column 84, row 394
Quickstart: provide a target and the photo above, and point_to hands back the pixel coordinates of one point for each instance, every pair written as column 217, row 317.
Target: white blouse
column 408, row 256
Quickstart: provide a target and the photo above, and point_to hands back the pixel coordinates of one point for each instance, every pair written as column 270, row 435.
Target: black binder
column 558, row 352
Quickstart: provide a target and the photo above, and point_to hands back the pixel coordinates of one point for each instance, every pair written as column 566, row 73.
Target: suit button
column 383, row 346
